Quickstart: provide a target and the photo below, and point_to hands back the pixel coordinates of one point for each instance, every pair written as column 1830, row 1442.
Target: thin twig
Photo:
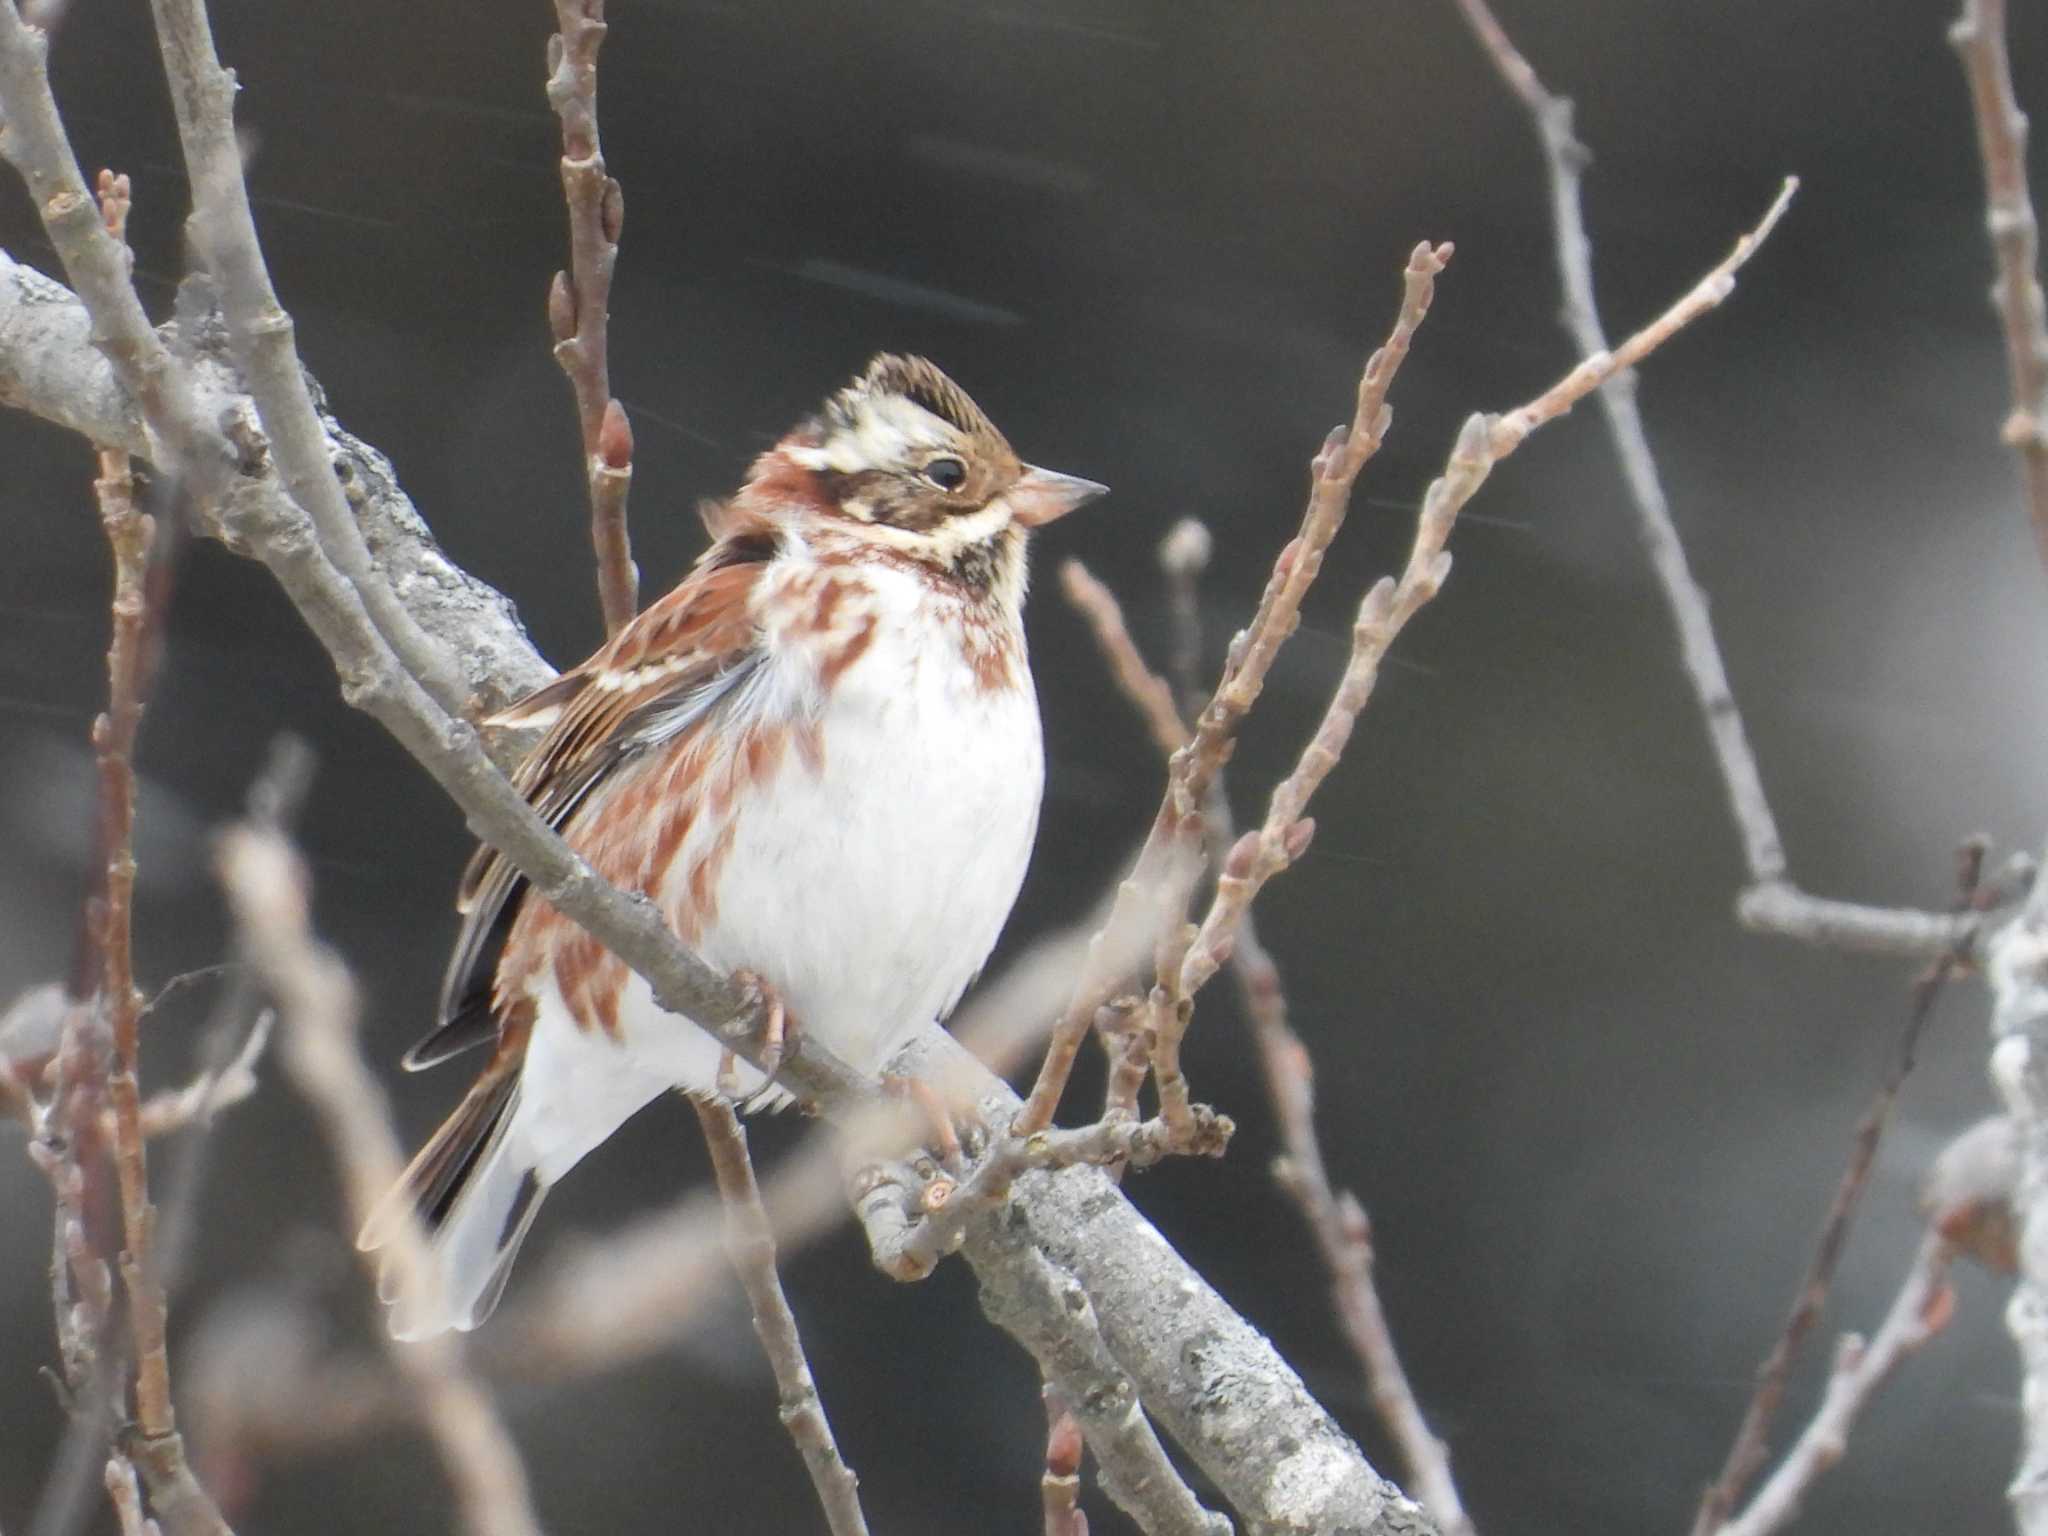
column 1746, row 1455
column 1565, row 160
column 1921, row 1309
column 1059, row 1490
column 1169, row 863
column 1979, row 37
column 1285, row 834
column 579, row 302
column 750, row 1244
column 153, row 1443
column 1148, row 692
column 129, row 534
column 269, row 895
column 1901, row 932
column 1342, row 1232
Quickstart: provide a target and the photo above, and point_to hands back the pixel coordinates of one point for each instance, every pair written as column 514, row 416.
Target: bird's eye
column 947, row 473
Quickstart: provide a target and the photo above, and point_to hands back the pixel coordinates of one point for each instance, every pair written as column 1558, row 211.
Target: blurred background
column 1596, row 1124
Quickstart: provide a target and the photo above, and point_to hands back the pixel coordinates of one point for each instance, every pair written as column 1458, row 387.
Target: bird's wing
column 660, row 676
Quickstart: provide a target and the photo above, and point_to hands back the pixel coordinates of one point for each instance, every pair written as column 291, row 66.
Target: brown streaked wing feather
column 684, row 653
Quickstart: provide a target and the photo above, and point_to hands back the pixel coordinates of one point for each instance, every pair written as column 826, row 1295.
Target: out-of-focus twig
column 2016, row 969
column 1921, row 1309
column 1771, row 903
column 1565, row 159
column 1979, row 37
column 126, row 1496
column 269, row 896
column 579, row 301
column 750, row 1243
column 1148, row 692
column 1747, row 1453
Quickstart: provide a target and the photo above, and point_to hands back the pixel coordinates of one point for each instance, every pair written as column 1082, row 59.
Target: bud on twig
column 562, row 308
column 615, row 438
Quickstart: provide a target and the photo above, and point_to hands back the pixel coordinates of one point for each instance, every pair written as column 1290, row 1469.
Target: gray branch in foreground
column 1207, row 1377
column 49, row 368
column 1242, row 1415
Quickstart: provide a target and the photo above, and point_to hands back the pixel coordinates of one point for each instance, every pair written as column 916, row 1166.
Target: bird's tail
column 472, row 1191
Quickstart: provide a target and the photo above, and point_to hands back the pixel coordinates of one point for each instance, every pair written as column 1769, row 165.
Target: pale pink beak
column 1042, row 495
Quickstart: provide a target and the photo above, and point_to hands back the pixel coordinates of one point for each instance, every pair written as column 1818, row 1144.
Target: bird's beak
column 1041, row 495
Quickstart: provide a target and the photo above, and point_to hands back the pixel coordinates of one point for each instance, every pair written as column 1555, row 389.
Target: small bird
column 819, row 756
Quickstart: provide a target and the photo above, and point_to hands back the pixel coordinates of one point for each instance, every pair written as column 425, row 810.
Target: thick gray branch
column 49, row 368
column 1205, row 1375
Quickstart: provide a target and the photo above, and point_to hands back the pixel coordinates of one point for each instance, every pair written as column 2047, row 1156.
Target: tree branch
column 579, row 302
column 1565, row 160
column 1168, row 865
column 750, row 1244
column 222, row 232
column 1979, row 37
column 269, row 895
column 1336, row 1220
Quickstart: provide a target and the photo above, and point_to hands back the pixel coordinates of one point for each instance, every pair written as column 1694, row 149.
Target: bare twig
column 1059, row 1490
column 1771, row 903
column 750, row 1243
column 1979, row 37
column 1897, row 931
column 579, row 301
column 1337, row 1221
column 213, row 1090
column 269, row 895
column 1165, row 872
column 1148, row 692
column 129, row 533
column 1921, row 1309
column 1565, row 160
column 1284, row 837
column 1747, row 1453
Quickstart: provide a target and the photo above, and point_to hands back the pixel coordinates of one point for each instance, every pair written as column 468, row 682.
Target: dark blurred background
column 1596, row 1123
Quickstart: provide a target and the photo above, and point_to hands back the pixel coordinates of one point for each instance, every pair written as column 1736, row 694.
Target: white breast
column 870, row 887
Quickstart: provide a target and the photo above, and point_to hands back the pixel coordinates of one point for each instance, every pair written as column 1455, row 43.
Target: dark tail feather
column 474, row 1189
